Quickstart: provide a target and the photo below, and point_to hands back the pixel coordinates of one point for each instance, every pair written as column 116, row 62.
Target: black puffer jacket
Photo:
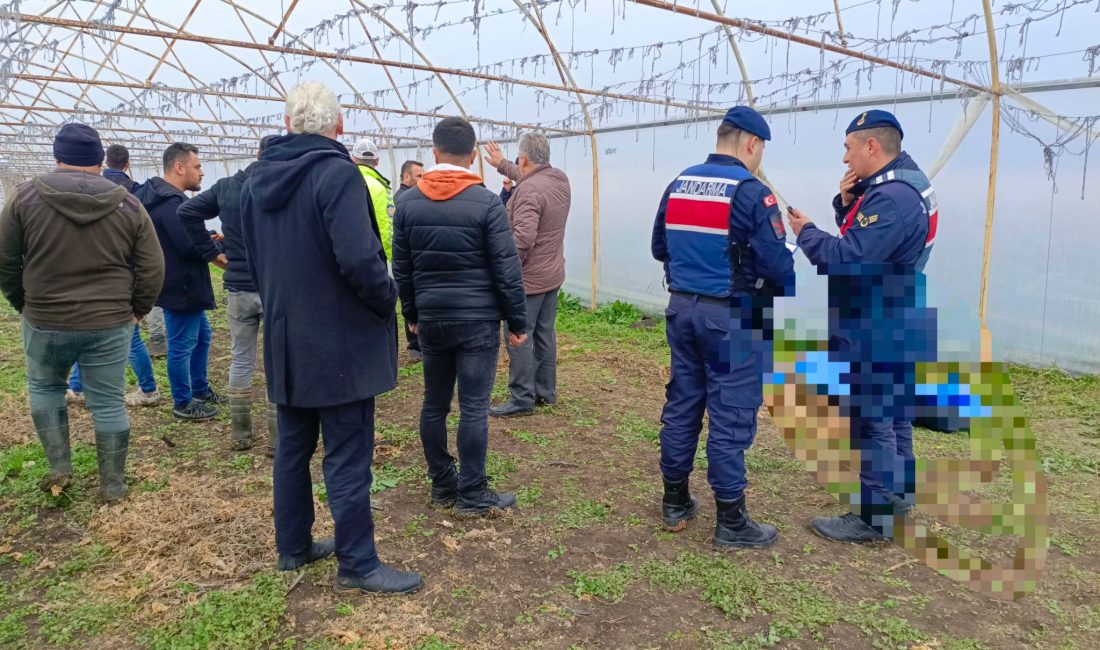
column 223, row 201
column 454, row 258
column 186, row 276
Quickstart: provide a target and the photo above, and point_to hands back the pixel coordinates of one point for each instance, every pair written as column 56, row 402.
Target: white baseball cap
column 365, row 149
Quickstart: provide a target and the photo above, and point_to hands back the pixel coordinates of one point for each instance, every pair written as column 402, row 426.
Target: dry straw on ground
column 211, row 532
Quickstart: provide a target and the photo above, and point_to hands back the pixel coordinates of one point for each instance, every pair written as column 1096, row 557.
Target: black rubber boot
column 272, row 429
column 53, row 432
column 734, row 528
column 240, row 417
column 678, row 506
column 445, row 488
column 111, row 451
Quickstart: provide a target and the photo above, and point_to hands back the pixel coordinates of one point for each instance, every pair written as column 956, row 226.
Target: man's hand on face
column 493, row 153
column 798, row 220
column 846, row 184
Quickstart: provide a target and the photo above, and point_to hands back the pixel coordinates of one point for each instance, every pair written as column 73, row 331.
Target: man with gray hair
column 537, row 209
column 314, row 256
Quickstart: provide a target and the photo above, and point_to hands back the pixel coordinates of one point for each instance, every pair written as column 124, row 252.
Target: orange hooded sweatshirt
column 444, row 182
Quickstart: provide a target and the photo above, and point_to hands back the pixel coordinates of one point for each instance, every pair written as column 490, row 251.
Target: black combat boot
column 735, row 529
column 678, row 506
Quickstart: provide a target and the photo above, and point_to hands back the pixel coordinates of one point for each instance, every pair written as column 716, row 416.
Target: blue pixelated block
column 820, row 371
column 956, row 395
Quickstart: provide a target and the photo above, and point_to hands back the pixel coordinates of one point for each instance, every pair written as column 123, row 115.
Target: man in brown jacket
column 538, row 209
column 79, row 259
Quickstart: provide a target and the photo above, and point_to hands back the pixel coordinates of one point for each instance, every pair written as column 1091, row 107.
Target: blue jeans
column 462, row 352
column 716, row 369
column 139, row 361
column 50, row 356
column 188, row 354
column 348, row 432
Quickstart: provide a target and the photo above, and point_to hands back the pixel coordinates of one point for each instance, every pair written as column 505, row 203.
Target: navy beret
column 873, row 120
column 78, row 145
column 747, row 119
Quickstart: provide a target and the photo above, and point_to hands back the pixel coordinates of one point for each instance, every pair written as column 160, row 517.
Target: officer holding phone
column 878, row 320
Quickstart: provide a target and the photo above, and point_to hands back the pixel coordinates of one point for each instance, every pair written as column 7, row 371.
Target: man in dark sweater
column 458, row 274
column 245, row 310
column 187, row 292
column 79, row 260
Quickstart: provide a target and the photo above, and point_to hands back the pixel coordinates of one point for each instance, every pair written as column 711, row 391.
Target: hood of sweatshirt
column 275, row 177
column 155, row 191
column 81, row 197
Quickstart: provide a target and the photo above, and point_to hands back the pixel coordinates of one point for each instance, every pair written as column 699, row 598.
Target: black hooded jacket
column 186, row 274
column 222, row 201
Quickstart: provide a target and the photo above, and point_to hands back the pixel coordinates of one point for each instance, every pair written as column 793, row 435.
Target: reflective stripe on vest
column 697, row 225
column 919, row 182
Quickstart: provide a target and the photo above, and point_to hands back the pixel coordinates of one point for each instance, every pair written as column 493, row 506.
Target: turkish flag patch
column 769, row 201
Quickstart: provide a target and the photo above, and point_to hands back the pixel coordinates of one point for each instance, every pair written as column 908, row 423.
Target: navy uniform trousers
column 348, row 433
column 883, row 402
column 716, row 369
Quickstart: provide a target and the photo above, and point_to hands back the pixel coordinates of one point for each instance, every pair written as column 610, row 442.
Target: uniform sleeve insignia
column 862, row 119
column 865, row 221
column 769, row 201
column 777, row 226
column 391, row 209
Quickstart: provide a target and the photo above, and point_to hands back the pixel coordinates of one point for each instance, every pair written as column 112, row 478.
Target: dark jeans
column 464, row 352
column 188, row 354
column 533, row 366
column 348, row 432
column 139, row 361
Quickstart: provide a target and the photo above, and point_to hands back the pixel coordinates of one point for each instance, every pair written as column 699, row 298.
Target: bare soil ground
column 187, row 561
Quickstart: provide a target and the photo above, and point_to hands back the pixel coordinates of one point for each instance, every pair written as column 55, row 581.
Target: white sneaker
column 138, row 398
column 73, row 397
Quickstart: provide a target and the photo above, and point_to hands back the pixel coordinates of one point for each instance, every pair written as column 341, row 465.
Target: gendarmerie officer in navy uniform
column 721, row 238
column 879, row 322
